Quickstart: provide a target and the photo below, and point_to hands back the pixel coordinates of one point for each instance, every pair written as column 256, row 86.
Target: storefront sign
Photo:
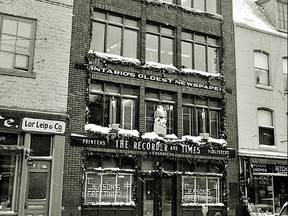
column 9, row 122
column 94, row 68
column 270, row 168
column 43, row 125
column 156, row 148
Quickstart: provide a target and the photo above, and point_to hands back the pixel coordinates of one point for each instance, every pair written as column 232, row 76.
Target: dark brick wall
column 171, row 15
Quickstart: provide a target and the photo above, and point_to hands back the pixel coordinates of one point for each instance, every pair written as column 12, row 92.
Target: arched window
column 261, row 65
column 266, row 128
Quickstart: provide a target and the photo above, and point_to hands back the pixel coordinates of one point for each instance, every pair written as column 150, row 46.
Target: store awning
column 10, row 149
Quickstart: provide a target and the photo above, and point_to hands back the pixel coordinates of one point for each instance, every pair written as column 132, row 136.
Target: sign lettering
column 43, row 125
column 94, row 68
column 9, row 122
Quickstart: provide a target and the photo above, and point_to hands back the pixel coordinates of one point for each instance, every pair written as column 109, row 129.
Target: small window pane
column 264, row 118
column 40, row 145
column 186, row 54
column 199, row 4
column 98, row 33
column 115, row 19
column 212, row 60
column 8, row 43
column 130, row 43
column 109, row 163
column 199, row 38
column 37, row 185
column 261, row 60
column 100, row 15
column 200, row 60
column 6, row 60
column 22, row 46
column 96, row 87
column 152, row 48
column 166, row 31
column 9, row 26
column 148, row 165
column 166, row 96
column 186, row 3
column 166, row 51
column 21, row 61
column 152, row 28
column 114, row 40
column 112, row 88
column 212, row 6
column 24, row 29
column 132, row 23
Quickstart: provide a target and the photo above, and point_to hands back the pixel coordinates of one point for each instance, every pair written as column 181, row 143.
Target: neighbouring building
column 261, row 68
column 35, row 40
column 152, row 106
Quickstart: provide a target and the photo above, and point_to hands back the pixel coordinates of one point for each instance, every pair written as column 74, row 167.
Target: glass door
column 158, row 197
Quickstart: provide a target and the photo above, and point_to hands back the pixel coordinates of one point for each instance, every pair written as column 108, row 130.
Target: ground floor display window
column 268, row 194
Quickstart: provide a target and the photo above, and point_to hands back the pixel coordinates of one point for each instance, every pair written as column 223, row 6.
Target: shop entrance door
column 158, row 197
column 38, row 185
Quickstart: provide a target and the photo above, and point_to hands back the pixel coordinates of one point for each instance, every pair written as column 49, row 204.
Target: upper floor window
column 115, row 34
column 266, row 128
column 285, row 65
column 282, row 14
column 112, row 104
column 203, row 5
column 201, row 116
column 167, row 101
column 199, row 52
column 17, row 40
column 159, row 44
column 261, row 67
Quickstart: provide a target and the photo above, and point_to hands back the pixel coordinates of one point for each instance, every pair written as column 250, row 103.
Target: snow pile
column 97, row 129
column 159, row 66
column 126, row 132
column 192, row 71
column 199, row 140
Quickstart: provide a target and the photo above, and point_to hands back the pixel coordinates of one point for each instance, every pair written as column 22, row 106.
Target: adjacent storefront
column 265, row 184
column 31, row 158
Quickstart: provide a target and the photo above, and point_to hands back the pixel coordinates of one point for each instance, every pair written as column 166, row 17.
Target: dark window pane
column 266, row 136
column 214, row 124
column 40, row 145
column 95, row 109
column 37, row 185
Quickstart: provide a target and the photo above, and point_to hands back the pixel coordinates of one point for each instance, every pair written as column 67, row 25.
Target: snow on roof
column 190, row 71
column 247, row 12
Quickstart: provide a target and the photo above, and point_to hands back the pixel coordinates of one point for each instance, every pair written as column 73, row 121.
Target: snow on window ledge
column 111, row 204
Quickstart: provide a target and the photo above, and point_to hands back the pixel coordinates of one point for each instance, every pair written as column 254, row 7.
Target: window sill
column 268, row 148
column 264, row 87
column 17, row 73
column 8, row 213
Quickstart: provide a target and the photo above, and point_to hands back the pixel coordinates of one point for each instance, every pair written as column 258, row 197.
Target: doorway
column 37, row 195
column 158, row 196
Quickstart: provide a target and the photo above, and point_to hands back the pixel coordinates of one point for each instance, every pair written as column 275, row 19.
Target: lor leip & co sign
column 43, row 125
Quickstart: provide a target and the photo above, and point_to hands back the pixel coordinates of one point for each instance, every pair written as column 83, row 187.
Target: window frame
column 285, row 72
column 108, row 23
column 170, row 125
column 18, row 71
column 194, row 122
column 281, row 21
column 192, row 41
column 160, row 36
column 205, row 6
column 121, row 96
column 262, row 69
column 263, row 128
column 219, row 197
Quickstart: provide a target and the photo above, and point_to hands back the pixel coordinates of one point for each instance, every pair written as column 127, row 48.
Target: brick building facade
column 137, row 67
column 35, row 38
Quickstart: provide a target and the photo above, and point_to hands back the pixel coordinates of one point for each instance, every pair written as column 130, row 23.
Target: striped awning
column 10, row 149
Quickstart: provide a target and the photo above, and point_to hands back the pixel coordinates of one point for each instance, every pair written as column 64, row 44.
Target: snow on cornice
column 92, row 128
column 148, row 65
column 191, row 71
column 248, row 13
